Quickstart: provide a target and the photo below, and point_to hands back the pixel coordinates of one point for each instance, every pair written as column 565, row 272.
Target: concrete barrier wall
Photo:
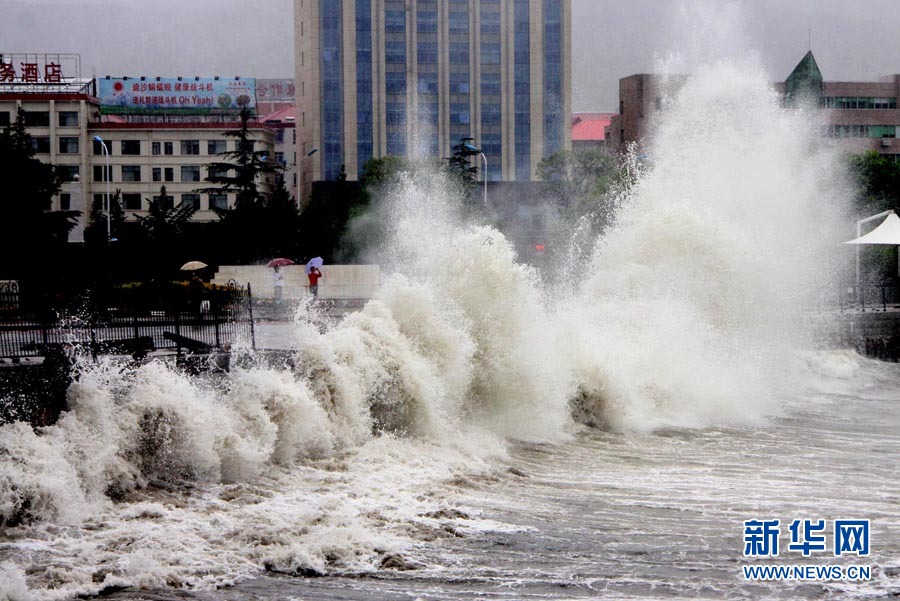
column 338, row 281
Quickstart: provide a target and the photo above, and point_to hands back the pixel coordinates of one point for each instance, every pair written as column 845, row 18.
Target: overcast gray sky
column 852, row 39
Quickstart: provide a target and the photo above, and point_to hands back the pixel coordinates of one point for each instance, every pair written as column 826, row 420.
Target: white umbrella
column 193, row 266
column 314, row 262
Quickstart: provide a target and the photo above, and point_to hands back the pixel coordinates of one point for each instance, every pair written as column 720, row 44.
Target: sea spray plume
column 515, row 389
column 437, row 330
column 403, row 362
column 693, row 298
column 518, row 390
column 279, row 416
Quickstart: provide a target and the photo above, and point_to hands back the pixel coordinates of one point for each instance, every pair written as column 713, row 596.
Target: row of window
column 858, row 102
column 71, row 145
column 135, row 202
column 861, row 131
column 42, row 118
column 133, row 173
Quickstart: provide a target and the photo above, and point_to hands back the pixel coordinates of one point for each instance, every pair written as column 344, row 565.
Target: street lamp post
column 484, row 175
column 107, row 176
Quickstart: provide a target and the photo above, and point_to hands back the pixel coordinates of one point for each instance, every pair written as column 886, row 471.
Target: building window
column 394, row 21
column 167, row 148
column 395, row 82
column 490, row 115
column 216, row 146
column 459, row 22
column 166, row 202
column 459, row 114
column 97, row 147
column 427, row 53
column 101, row 173
column 279, row 135
column 490, row 53
column 190, row 147
column 459, row 53
column 218, row 200
column 4, row 118
column 190, row 173
column 68, row 118
column 155, row 148
column 169, row 173
column 395, row 113
column 459, row 82
column 37, row 118
column 191, row 200
column 157, row 174
column 490, row 83
column 426, row 21
column 70, row 172
column 395, row 51
column 131, row 173
column 131, row 202
column 68, row 145
column 216, row 172
column 41, row 144
column 131, row 147
column 490, row 21
column 396, row 143
column 428, row 83
column 65, row 201
column 279, row 158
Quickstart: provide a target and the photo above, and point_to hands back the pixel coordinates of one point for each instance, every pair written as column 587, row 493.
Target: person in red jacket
column 314, row 275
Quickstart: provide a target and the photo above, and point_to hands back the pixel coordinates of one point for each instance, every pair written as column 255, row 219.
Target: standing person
column 195, row 292
column 278, row 283
column 314, row 275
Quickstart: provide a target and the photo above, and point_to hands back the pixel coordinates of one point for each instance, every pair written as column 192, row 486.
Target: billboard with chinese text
column 275, row 90
column 197, row 95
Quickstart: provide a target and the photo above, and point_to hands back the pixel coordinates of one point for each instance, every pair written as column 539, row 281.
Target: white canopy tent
column 887, row 232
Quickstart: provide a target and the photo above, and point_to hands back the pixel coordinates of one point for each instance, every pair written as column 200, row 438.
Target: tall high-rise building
column 413, row 77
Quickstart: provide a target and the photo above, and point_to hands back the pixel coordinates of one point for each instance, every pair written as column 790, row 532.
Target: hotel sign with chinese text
column 197, row 95
column 39, row 72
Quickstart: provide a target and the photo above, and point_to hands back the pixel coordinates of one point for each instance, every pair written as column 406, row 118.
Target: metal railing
column 868, row 296
column 133, row 322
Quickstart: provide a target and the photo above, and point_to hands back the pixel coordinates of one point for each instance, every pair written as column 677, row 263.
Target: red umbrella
column 279, row 262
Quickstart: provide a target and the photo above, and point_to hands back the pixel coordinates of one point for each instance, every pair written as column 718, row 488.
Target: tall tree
column 241, row 168
column 29, row 228
column 258, row 221
column 460, row 163
column 573, row 175
column 162, row 231
column 95, row 233
column 164, row 222
column 878, row 182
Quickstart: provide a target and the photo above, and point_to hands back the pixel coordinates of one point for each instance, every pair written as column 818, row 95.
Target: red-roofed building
column 589, row 130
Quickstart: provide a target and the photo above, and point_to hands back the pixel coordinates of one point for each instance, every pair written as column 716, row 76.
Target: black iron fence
column 132, row 321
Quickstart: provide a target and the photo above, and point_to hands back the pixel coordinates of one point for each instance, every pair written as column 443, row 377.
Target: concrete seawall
column 872, row 333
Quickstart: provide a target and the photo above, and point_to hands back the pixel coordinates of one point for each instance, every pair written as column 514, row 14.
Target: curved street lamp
column 106, row 177
column 484, row 175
